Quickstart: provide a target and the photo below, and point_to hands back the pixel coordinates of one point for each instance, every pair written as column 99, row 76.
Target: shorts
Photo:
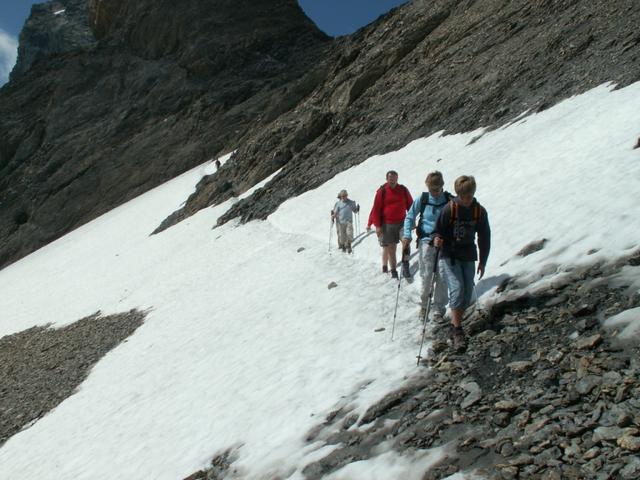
column 459, row 275
column 390, row 234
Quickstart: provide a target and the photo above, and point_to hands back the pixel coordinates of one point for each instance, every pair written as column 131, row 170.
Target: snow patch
column 629, row 277
column 391, row 464
column 629, row 320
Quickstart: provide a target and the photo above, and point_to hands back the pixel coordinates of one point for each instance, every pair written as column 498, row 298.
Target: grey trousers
column 426, row 257
column 345, row 234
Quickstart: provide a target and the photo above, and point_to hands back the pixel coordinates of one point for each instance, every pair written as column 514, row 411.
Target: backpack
column 475, row 213
column 424, row 203
column 475, row 216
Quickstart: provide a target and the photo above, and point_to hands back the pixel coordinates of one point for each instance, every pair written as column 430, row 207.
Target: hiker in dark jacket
column 455, row 233
column 390, row 206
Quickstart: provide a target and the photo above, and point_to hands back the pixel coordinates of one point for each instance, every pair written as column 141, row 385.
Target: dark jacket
column 460, row 235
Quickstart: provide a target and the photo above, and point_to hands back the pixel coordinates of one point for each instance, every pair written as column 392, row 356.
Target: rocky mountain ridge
column 159, row 89
column 110, row 98
column 426, row 67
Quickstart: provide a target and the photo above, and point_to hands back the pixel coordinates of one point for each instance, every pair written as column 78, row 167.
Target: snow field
column 245, row 346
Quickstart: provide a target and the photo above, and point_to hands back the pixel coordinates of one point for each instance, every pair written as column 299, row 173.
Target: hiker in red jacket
column 390, row 205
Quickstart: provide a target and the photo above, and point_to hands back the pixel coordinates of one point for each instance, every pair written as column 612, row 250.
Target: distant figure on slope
column 456, row 228
column 390, row 206
column 426, row 210
column 342, row 214
column 217, row 164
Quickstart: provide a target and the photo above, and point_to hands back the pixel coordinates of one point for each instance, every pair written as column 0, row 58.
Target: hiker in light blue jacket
column 425, row 210
column 342, row 214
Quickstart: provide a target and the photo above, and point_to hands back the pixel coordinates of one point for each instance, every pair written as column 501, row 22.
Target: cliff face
column 428, row 66
column 92, row 119
column 111, row 98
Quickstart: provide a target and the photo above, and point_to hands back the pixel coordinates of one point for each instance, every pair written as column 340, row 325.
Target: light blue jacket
column 429, row 217
column 344, row 210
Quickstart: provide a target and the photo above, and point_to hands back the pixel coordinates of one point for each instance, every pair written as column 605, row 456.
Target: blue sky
column 335, row 17
column 341, row 17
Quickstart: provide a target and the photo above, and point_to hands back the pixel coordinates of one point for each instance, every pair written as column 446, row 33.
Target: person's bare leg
column 385, row 257
column 393, row 261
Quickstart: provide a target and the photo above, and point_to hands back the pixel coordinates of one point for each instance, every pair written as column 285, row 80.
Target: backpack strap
column 447, row 197
column 382, row 191
column 406, row 196
column 424, row 202
column 454, row 211
column 476, row 212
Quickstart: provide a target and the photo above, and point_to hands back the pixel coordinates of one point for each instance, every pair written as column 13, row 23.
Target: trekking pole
column 426, row 313
column 406, row 255
column 330, row 234
column 395, row 310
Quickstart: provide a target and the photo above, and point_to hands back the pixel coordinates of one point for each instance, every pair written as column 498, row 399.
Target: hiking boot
column 394, row 273
column 349, row 249
column 385, row 269
column 406, row 272
column 437, row 317
column 423, row 312
column 459, row 340
column 343, row 248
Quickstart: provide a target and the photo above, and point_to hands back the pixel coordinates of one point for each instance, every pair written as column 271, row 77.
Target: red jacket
column 394, row 207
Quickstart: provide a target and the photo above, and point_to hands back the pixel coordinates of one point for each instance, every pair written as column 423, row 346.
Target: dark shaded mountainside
column 111, row 98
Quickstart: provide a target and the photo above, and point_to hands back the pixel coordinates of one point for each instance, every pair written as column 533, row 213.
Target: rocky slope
column 428, row 66
column 110, row 98
column 562, row 404
column 40, row 367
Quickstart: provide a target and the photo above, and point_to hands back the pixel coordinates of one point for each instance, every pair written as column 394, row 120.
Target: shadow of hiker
column 358, row 240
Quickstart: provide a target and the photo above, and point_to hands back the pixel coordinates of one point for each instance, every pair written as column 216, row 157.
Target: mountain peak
column 53, row 28
column 199, row 27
